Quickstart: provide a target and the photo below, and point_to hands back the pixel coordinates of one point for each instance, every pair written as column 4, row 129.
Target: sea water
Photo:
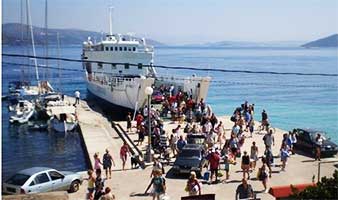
column 291, row 101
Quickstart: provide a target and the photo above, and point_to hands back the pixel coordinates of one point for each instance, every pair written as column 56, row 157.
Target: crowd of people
column 222, row 148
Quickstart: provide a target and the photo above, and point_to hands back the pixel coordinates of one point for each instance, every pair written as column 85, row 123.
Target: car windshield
column 196, row 140
column 188, row 153
column 18, row 179
column 314, row 135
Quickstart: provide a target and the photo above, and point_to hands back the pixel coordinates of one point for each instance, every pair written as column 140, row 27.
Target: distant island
column 330, row 41
column 11, row 35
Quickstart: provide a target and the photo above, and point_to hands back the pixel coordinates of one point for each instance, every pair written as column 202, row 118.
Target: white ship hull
column 129, row 94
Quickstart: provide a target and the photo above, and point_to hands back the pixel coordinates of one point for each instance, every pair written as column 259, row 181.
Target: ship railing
column 180, row 78
column 146, row 49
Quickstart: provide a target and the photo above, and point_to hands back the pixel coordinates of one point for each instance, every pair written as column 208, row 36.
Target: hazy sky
column 191, row 21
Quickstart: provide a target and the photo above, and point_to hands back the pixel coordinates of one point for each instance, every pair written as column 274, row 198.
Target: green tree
column 327, row 188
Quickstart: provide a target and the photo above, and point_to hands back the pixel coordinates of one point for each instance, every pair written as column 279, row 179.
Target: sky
column 190, row 21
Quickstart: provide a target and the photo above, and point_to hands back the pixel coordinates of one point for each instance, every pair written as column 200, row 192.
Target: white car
column 42, row 179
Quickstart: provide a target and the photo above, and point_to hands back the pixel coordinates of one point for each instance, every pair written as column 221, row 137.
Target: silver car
column 42, row 179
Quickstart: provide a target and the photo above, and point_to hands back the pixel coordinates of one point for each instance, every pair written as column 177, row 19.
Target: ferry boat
column 119, row 68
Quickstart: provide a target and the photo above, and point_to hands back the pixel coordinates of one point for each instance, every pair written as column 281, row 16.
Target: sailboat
column 22, row 112
column 62, row 113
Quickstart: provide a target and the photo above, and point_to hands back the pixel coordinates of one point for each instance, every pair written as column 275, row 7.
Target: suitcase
column 206, row 176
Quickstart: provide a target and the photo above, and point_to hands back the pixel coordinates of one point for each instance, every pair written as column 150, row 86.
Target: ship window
column 115, row 48
column 125, row 48
column 113, row 66
column 139, row 66
column 111, row 48
column 120, row 48
column 126, row 65
column 129, row 49
column 107, row 48
column 99, row 65
column 134, row 48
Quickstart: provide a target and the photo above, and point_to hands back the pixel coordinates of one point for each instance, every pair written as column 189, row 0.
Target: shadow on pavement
column 172, row 175
column 139, row 194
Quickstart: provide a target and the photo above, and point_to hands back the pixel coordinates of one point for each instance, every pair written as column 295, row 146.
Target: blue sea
column 290, row 100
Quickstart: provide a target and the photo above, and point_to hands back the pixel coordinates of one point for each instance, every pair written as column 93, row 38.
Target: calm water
column 291, row 101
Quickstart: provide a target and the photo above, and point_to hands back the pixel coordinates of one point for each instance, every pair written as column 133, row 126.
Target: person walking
column 268, row 159
column 227, row 167
column 265, row 121
column 246, row 165
column 77, row 97
column 220, row 130
column 97, row 161
column 193, row 186
column 180, row 144
column 253, row 155
column 262, row 175
column 319, row 143
column 141, row 131
column 269, row 139
column 124, row 151
column 129, row 122
column 107, row 163
column 284, row 154
column 244, row 190
column 99, row 184
column 159, row 185
column 91, row 181
column 214, row 160
column 293, row 139
column 156, row 166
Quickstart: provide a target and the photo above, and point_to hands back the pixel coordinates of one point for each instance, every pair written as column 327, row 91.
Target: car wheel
column 74, row 186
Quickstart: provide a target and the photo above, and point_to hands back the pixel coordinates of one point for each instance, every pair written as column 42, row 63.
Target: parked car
column 306, row 142
column 189, row 159
column 42, row 179
column 157, row 97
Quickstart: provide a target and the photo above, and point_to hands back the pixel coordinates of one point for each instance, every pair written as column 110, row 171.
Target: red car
column 157, row 97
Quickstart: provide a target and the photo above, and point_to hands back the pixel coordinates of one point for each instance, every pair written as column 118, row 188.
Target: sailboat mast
column 58, row 61
column 22, row 75
column 33, row 44
column 27, row 47
column 46, row 40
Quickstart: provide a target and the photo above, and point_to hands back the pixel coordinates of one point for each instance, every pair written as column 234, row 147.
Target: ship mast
column 111, row 9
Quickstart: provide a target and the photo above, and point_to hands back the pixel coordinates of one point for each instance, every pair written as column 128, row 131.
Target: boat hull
column 62, row 127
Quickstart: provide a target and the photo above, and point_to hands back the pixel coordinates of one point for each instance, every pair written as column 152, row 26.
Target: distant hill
column 11, row 35
column 243, row 44
column 330, row 41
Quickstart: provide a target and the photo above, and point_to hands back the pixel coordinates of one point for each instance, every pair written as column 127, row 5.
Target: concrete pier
column 130, row 184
